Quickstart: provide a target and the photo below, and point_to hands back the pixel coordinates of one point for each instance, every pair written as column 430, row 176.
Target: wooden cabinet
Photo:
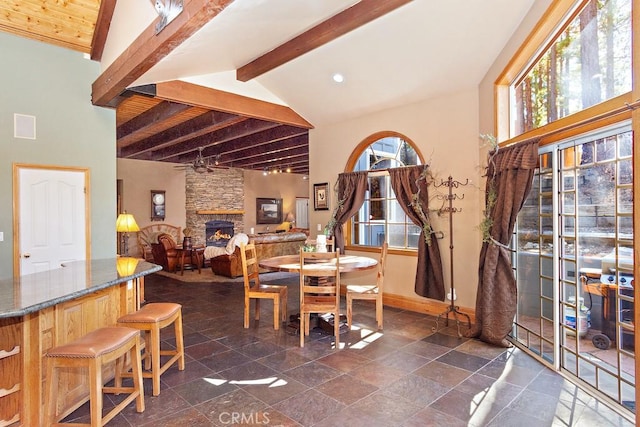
column 11, row 387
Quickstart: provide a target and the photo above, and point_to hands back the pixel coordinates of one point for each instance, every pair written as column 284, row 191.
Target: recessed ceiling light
column 338, row 78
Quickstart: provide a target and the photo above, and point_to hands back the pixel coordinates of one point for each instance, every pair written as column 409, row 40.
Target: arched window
column 381, row 218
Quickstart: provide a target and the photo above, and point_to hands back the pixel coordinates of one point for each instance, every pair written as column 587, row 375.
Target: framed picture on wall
column 321, row 196
column 268, row 211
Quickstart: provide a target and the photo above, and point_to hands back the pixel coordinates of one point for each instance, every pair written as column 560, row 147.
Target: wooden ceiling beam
column 231, row 144
column 152, row 118
column 206, row 123
column 269, row 136
column 348, row 20
column 272, row 161
column 273, row 145
column 103, row 22
column 288, row 147
column 148, row 49
column 213, row 99
column 180, row 152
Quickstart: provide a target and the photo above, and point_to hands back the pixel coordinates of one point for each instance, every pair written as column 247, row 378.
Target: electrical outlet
column 1, row 236
column 455, row 297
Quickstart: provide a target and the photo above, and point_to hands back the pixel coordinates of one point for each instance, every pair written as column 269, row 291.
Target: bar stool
column 93, row 351
column 150, row 319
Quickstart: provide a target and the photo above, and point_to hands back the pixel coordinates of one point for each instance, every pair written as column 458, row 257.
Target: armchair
column 165, row 252
column 149, row 234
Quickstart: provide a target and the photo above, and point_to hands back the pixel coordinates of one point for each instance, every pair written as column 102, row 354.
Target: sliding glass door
column 573, row 259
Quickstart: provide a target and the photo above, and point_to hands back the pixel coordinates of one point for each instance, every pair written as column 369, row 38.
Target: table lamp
column 126, row 266
column 291, row 219
column 126, row 224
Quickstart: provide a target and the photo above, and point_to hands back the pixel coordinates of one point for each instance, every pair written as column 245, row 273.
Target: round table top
column 291, row 263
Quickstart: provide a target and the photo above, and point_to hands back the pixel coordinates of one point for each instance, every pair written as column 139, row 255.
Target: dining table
column 291, row 264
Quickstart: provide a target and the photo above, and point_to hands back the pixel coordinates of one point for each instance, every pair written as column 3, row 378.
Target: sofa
column 267, row 245
column 225, row 261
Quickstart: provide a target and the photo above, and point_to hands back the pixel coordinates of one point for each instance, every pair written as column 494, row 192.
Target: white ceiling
column 421, row 50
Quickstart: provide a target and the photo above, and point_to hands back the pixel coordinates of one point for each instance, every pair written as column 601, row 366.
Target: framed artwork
column 321, row 196
column 268, row 211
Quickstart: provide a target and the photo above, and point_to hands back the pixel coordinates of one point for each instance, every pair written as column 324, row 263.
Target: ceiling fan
column 202, row 165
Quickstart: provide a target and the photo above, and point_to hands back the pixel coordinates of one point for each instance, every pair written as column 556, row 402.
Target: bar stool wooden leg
column 49, row 401
column 179, row 342
column 151, row 319
column 137, row 378
column 95, row 389
column 155, row 359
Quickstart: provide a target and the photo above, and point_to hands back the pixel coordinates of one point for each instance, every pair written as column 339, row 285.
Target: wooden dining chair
column 319, row 289
column 369, row 292
column 277, row 293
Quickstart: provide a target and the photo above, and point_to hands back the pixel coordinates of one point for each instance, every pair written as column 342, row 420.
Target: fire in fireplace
column 218, row 233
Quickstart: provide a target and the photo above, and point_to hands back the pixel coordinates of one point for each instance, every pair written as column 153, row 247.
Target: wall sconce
column 126, row 224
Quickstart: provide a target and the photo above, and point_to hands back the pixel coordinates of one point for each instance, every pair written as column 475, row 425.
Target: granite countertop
column 33, row 292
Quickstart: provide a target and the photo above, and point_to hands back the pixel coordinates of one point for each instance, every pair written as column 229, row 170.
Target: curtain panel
column 509, row 178
column 407, row 182
column 352, row 189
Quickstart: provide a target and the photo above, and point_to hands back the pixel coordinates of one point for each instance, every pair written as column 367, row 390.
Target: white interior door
column 51, row 206
column 302, row 212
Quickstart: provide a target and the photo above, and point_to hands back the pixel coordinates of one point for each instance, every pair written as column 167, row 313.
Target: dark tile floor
column 405, row 375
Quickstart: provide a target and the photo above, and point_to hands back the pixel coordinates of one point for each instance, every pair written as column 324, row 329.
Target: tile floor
column 405, row 375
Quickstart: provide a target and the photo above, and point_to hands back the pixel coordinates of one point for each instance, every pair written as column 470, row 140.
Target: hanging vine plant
column 491, row 194
column 428, row 178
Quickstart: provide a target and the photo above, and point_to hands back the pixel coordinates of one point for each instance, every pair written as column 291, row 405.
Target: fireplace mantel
column 221, row 212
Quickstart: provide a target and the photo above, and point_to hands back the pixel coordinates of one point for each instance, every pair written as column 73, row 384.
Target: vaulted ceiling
column 243, row 81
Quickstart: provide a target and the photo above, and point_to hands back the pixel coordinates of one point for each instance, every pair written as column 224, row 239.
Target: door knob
column 26, row 254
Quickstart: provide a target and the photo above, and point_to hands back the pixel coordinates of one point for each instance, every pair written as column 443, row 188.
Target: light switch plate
column 1, row 236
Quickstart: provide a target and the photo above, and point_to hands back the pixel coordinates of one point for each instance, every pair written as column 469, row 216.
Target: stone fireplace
column 211, row 197
column 218, row 233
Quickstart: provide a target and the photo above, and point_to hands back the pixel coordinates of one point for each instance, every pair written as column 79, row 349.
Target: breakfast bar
column 50, row 308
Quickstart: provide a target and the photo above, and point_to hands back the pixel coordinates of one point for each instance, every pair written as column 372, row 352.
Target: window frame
column 351, row 163
column 557, row 17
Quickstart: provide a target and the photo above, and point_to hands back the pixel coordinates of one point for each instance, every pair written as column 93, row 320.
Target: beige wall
column 284, row 186
column 139, row 177
column 445, row 130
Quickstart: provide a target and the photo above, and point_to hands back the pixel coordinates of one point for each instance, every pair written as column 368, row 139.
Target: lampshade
column 126, row 266
column 290, row 217
column 126, row 223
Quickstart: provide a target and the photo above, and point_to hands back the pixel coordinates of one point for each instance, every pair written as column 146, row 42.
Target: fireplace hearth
column 218, row 233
